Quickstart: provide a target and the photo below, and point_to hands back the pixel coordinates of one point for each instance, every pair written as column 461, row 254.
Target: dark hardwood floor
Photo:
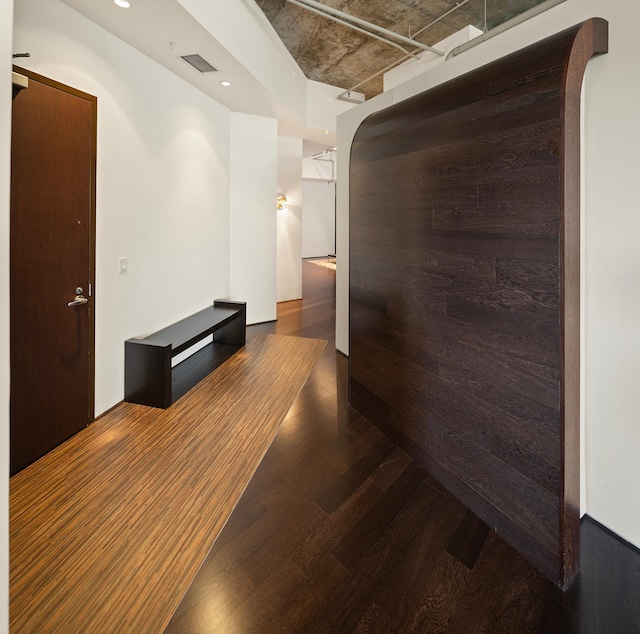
column 338, row 531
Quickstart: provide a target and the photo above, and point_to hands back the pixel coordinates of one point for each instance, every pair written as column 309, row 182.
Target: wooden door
column 52, row 255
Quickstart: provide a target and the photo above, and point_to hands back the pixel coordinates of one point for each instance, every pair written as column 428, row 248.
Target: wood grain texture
column 108, row 530
column 464, row 288
column 53, row 167
column 429, row 566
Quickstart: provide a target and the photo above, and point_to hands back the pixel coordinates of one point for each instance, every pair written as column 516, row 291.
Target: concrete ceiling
column 334, row 54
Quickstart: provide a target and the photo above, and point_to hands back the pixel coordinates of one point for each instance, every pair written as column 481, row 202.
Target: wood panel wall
column 464, row 288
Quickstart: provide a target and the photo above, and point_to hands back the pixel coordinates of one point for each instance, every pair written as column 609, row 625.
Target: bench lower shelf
column 192, row 370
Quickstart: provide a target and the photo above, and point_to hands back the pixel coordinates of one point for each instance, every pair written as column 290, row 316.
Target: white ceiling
column 150, row 26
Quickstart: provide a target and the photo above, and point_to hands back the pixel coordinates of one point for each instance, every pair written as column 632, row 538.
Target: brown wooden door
column 52, row 253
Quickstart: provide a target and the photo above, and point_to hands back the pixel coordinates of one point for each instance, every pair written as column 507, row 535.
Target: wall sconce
column 281, row 202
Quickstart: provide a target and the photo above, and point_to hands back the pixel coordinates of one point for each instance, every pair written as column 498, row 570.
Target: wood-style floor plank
column 425, row 565
column 108, row 530
column 412, row 559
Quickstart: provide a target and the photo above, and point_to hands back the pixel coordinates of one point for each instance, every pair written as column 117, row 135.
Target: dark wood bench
column 150, row 379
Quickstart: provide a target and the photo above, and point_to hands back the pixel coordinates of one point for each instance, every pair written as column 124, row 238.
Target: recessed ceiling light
column 125, row 4
column 225, row 83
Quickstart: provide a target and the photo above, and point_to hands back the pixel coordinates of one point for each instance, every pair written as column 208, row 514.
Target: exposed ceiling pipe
column 505, row 26
column 321, row 156
column 345, row 95
column 540, row 8
column 327, row 11
column 351, row 26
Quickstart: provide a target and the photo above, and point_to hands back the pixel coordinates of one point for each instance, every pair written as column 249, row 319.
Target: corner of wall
column 348, row 124
column 253, row 181
column 289, row 220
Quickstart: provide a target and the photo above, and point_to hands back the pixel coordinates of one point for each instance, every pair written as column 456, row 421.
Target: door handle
column 80, row 298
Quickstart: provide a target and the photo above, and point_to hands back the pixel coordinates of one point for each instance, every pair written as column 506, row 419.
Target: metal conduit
column 399, row 61
column 501, row 28
column 350, row 20
column 351, row 26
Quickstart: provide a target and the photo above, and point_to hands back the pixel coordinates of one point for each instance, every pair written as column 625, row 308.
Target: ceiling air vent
column 199, row 63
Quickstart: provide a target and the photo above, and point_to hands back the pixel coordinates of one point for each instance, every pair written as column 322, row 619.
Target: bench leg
column 233, row 333
column 147, row 374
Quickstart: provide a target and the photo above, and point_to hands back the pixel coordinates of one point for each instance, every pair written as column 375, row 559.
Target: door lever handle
column 80, row 299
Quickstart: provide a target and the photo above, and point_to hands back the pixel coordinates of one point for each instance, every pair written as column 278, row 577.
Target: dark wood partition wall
column 464, row 297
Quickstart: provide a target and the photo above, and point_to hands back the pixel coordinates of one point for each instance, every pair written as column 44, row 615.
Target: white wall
column 323, row 105
column 254, row 173
column 6, row 21
column 612, row 276
column 289, row 220
column 318, row 219
column 319, row 209
column 162, row 181
column 322, row 168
